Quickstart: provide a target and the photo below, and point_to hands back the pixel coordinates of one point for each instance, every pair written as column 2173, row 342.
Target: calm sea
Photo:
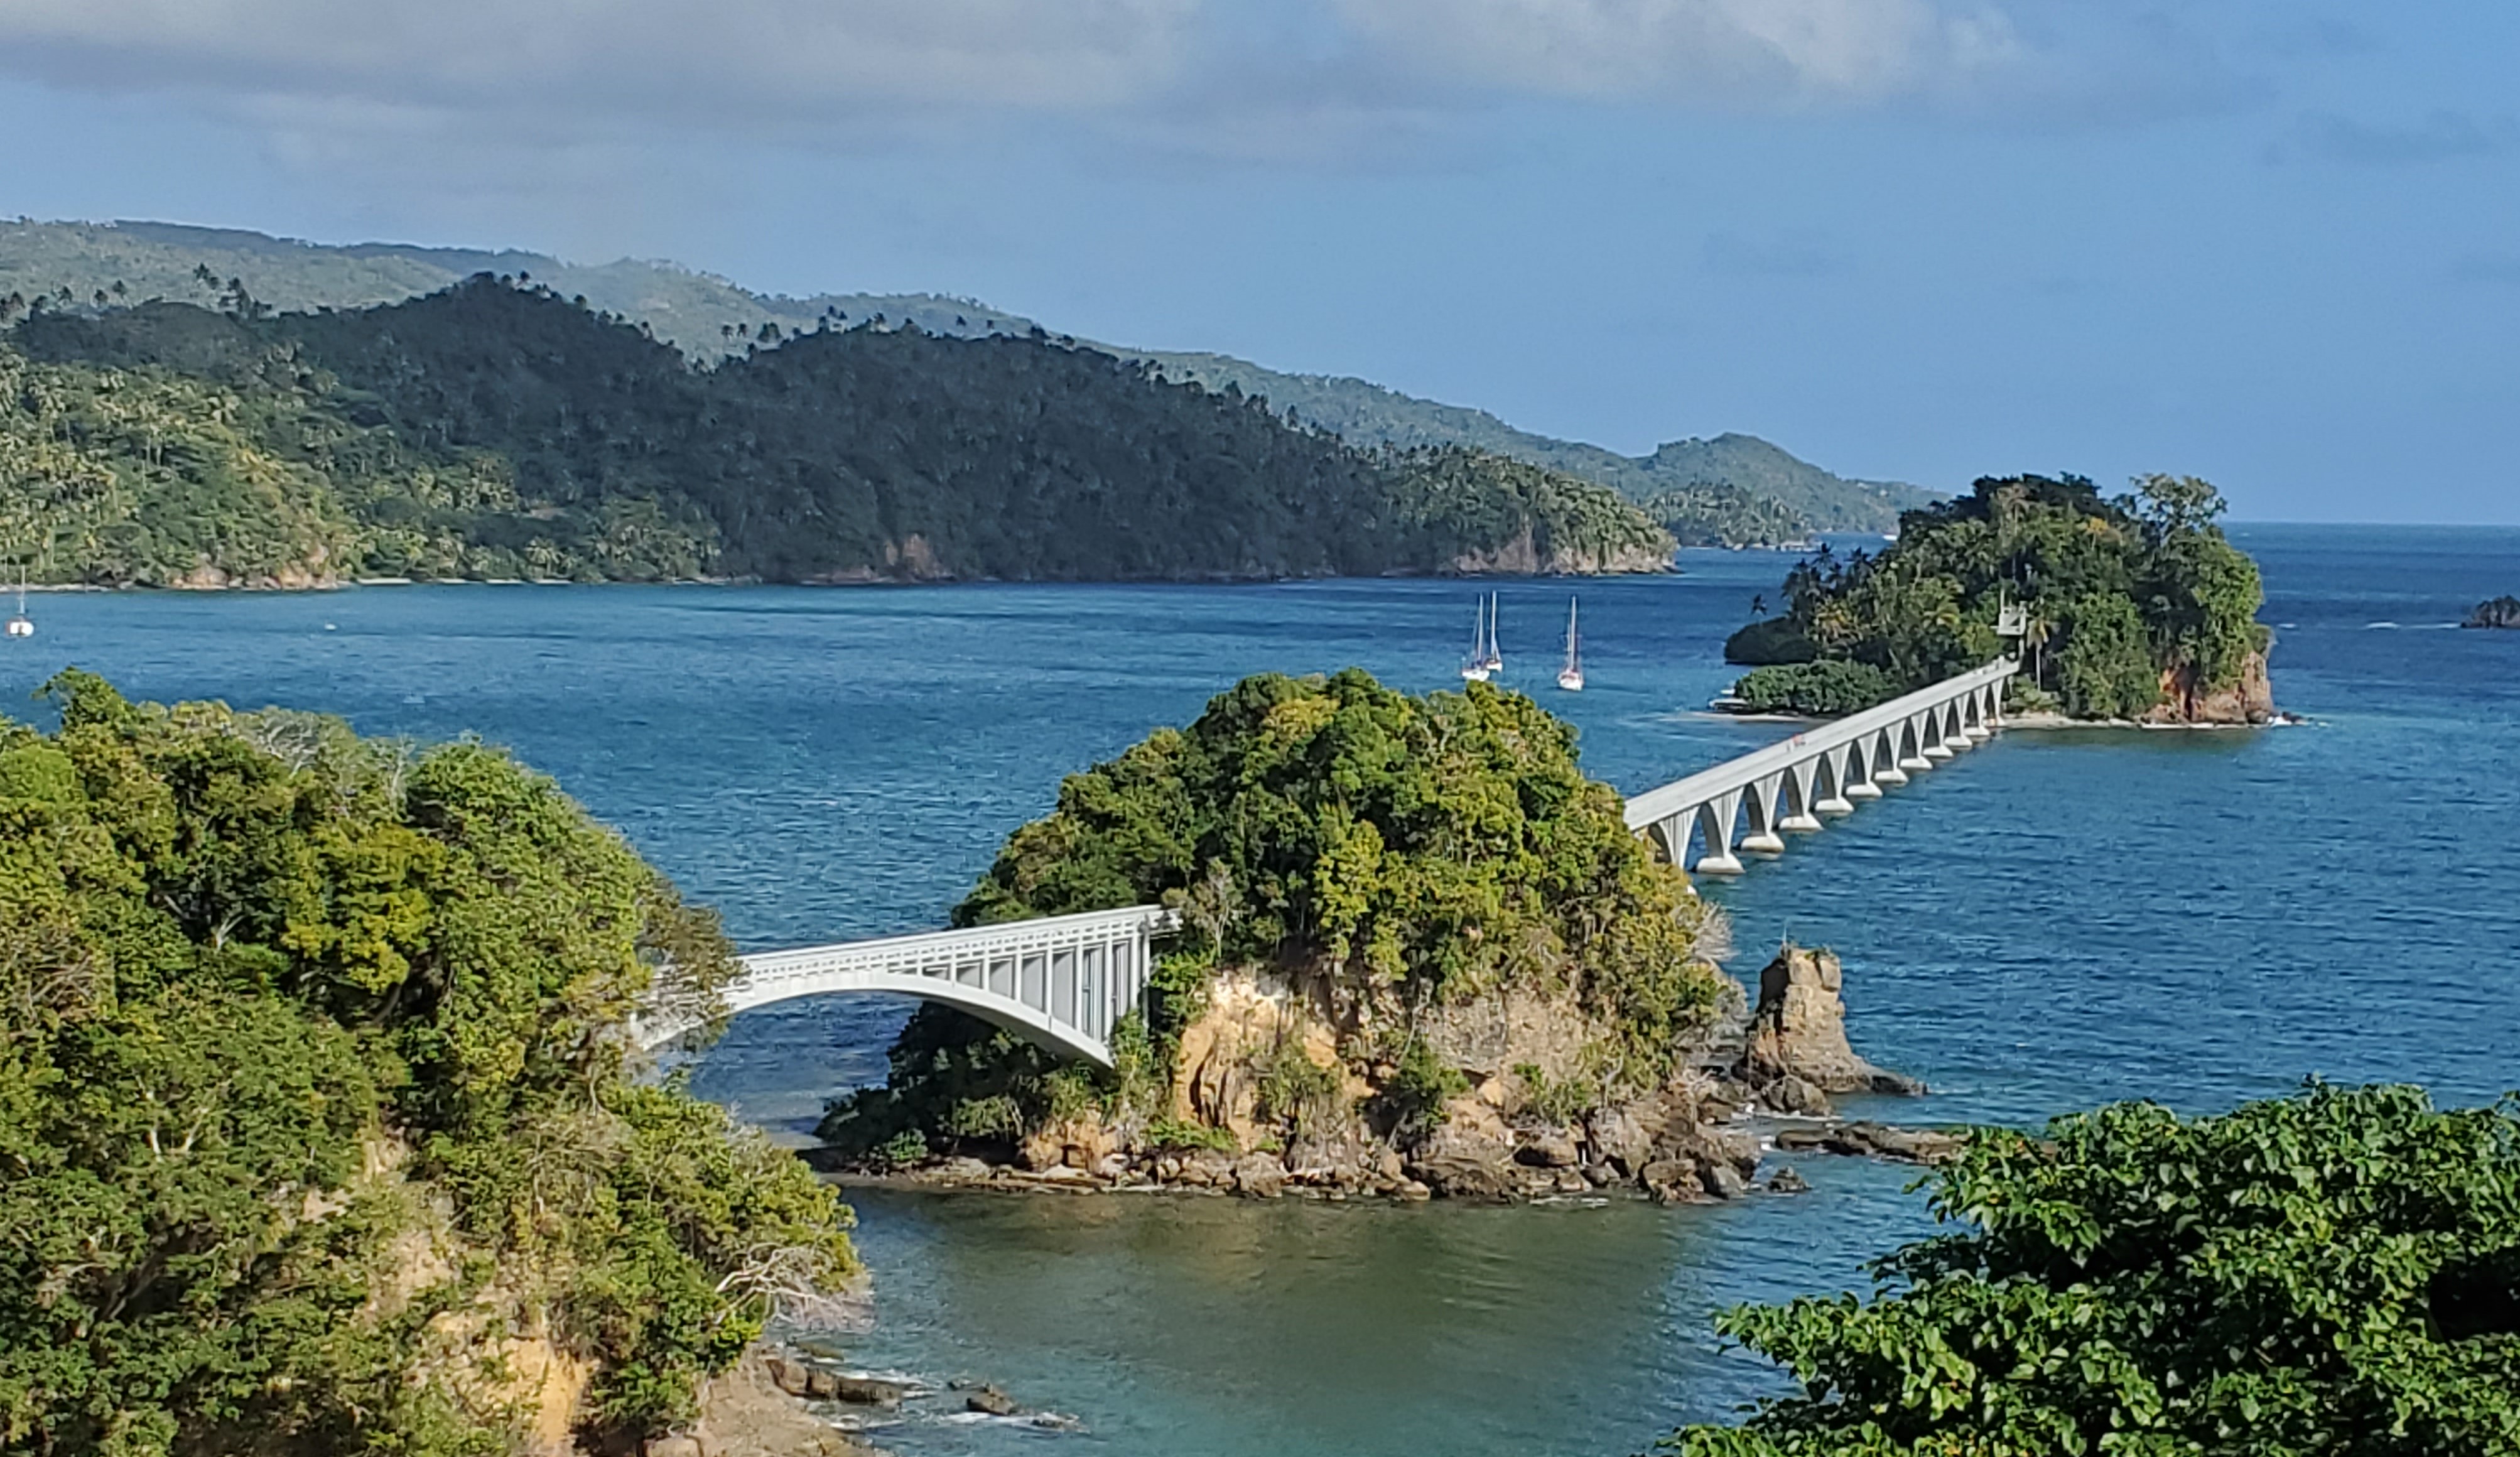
column 2055, row 920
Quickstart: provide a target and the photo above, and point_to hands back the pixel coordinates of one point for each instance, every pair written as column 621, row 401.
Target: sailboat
column 1571, row 677
column 1477, row 668
column 1495, row 660
column 21, row 625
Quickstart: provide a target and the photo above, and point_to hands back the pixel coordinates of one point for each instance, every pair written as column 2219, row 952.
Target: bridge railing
column 1822, row 770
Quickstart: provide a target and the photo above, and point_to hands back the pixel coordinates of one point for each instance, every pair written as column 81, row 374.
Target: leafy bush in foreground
column 2333, row 1274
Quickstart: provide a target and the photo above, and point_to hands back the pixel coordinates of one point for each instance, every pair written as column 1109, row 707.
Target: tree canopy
column 2333, row 1274
column 312, row 1061
column 2122, row 594
column 496, row 429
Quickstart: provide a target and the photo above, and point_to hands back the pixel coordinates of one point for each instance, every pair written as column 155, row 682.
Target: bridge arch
column 1061, row 983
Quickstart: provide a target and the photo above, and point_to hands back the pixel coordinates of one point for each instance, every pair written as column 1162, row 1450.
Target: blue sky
column 2275, row 245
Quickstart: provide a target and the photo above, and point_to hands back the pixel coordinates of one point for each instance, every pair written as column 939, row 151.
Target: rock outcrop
column 1796, row 1052
column 2502, row 612
column 2249, row 699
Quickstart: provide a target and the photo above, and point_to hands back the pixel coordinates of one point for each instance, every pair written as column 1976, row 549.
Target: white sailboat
column 1495, row 660
column 21, row 625
column 1571, row 677
column 1475, row 669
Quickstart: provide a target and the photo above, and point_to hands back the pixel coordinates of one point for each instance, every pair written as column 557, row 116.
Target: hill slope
column 1732, row 491
column 497, row 430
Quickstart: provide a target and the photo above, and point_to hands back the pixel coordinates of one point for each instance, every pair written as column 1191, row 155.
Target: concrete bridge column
column 1834, row 790
column 1911, row 746
column 1715, row 835
column 1887, row 765
column 1801, row 813
column 1760, row 809
column 1937, row 737
column 1979, row 714
column 1862, row 770
column 1938, row 734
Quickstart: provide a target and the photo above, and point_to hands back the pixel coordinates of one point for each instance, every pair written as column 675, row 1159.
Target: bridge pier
column 1715, row 835
column 1801, row 815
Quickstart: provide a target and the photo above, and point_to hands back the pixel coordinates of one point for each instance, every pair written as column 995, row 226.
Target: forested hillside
column 498, row 430
column 1732, row 491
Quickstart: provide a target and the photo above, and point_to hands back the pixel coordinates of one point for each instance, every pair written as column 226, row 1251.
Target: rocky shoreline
column 1702, row 1137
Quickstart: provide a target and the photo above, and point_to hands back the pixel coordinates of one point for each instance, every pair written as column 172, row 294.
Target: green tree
column 2334, row 1274
column 278, row 1006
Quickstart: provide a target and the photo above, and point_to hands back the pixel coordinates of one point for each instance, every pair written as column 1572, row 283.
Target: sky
column 2276, row 244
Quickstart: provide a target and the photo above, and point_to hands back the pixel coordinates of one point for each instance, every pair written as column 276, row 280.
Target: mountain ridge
column 1729, row 489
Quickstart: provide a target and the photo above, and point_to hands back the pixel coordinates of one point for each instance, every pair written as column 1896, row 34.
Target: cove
column 2200, row 918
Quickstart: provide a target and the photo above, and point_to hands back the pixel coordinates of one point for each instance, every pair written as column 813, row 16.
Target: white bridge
column 1744, row 803
column 1063, row 982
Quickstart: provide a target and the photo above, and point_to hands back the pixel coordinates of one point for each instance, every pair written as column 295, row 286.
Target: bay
column 2055, row 920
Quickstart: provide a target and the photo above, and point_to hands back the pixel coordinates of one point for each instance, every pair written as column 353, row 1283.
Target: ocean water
column 2056, row 918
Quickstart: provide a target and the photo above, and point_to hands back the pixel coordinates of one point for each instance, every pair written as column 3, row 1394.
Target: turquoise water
column 2055, row 920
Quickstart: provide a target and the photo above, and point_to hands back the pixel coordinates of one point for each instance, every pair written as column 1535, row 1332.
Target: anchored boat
column 1571, row 677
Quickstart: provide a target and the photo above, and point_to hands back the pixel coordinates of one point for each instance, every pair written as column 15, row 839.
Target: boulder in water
column 2502, row 612
column 1799, row 1032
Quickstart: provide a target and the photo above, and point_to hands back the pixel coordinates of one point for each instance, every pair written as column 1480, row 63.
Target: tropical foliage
column 1821, row 690
column 315, row 1098
column 499, row 431
column 2334, row 1274
column 1410, row 851
column 2122, row 596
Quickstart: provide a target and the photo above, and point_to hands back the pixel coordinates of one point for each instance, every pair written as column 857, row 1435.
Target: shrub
column 1821, row 690
column 2333, row 1274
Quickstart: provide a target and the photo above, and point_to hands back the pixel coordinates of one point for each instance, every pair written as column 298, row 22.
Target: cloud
column 727, row 60
column 2443, row 136
column 1760, row 52
column 1341, row 82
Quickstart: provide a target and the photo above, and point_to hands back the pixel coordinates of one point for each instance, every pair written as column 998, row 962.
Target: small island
column 2502, row 611
column 2133, row 609
column 1422, row 956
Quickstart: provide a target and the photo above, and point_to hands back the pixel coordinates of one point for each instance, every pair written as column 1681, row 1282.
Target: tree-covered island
column 1424, row 954
column 2136, row 607
column 497, row 430
column 319, row 1132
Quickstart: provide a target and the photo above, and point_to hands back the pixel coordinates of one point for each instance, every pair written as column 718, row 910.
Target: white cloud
column 1727, row 51
column 1291, row 81
column 727, row 59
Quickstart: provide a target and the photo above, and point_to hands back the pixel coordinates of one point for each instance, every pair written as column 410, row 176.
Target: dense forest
column 2134, row 607
column 497, row 430
column 1730, row 490
column 320, row 1127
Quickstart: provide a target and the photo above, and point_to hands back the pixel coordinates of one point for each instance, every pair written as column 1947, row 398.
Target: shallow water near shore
column 2056, row 918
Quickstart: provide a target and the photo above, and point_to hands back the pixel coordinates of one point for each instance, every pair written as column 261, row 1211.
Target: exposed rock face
column 1518, row 1051
column 1523, row 554
column 2250, row 700
column 1797, row 1047
column 753, row 1411
column 2502, row 612
column 1875, row 1141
